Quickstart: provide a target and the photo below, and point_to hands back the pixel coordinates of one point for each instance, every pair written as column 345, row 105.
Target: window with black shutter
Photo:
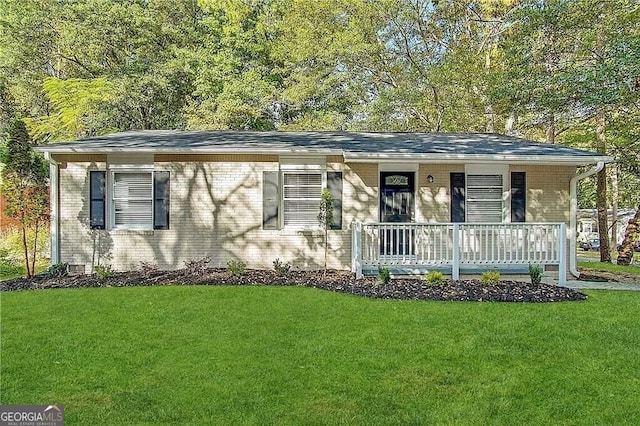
column 138, row 200
column 292, row 198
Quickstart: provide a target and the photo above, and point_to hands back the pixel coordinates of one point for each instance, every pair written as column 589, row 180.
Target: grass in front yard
column 596, row 255
column 610, row 267
column 290, row 355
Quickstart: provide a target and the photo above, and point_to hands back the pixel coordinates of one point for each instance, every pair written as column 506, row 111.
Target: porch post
column 54, row 202
column 356, row 249
column 455, row 266
column 562, row 254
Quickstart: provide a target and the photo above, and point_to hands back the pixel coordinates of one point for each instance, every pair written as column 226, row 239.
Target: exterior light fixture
column 430, row 178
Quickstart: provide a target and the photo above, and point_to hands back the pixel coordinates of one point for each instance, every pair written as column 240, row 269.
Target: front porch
column 458, row 248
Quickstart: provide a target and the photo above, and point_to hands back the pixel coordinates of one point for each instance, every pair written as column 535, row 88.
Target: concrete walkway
column 597, row 285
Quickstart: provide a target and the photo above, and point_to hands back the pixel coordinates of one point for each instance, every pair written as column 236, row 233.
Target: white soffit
column 307, row 162
column 126, row 161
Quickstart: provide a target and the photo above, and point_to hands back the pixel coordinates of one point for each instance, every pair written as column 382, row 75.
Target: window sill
column 301, row 231
column 132, row 232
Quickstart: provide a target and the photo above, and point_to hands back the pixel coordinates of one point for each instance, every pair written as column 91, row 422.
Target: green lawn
column 596, row 255
column 289, row 355
column 610, row 267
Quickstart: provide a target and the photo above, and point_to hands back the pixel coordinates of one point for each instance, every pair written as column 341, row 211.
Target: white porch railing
column 456, row 246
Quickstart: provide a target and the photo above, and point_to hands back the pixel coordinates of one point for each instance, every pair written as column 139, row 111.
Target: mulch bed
column 338, row 281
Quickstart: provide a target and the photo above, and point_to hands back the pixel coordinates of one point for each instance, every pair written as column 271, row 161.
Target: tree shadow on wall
column 219, row 214
column 209, row 218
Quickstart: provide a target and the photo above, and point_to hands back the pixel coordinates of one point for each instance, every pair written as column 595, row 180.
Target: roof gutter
column 573, row 218
column 472, row 158
column 199, row 150
column 349, row 157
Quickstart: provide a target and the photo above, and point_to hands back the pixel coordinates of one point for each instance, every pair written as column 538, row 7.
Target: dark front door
column 397, row 204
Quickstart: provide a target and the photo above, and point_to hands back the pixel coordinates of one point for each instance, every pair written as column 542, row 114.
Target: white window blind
column 484, row 198
column 133, row 200
column 301, row 199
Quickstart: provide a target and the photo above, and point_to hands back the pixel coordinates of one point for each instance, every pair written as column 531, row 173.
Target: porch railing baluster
column 459, row 246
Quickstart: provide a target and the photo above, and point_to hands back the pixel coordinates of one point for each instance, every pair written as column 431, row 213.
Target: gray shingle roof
column 352, row 145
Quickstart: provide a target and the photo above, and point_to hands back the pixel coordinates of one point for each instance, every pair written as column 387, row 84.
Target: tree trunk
column 601, row 197
column 491, row 117
column 489, row 113
column 625, row 254
column 550, row 134
column 511, row 121
column 614, row 205
column 488, row 108
column 25, row 246
column 326, row 248
column 35, row 247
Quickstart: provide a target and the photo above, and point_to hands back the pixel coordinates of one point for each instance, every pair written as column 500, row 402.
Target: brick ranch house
column 460, row 203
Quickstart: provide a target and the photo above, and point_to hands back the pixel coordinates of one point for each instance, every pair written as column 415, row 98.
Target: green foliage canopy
column 538, row 69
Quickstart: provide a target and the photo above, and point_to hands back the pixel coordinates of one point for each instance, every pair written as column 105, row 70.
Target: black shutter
column 457, row 197
column 161, row 195
column 518, row 196
column 334, row 185
column 270, row 200
column 97, row 199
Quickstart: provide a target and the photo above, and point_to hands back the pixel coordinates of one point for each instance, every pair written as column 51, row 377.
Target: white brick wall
column 216, row 210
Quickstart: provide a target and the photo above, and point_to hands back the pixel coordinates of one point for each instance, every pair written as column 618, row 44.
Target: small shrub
column 148, row 269
column 434, row 278
column 281, row 268
column 9, row 268
column 196, row 267
column 536, row 272
column 384, row 276
column 104, row 271
column 490, row 277
column 58, row 270
column 236, row 266
column 4, row 252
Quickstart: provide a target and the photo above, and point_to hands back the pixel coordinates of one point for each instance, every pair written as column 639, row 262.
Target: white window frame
column 489, row 170
column 295, row 164
column 313, row 223
column 112, row 201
